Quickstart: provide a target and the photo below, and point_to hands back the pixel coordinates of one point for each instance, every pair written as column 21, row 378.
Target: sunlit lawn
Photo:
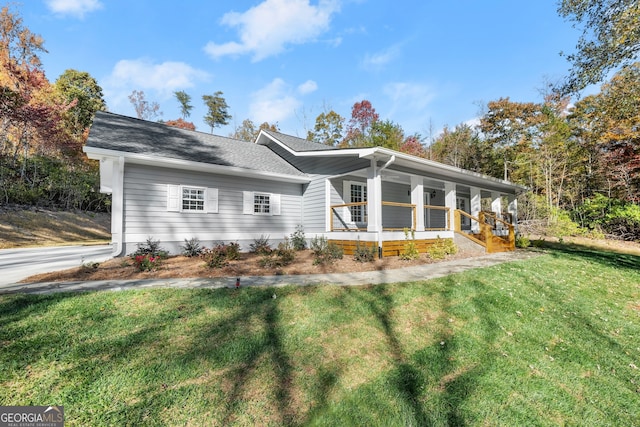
column 554, row 340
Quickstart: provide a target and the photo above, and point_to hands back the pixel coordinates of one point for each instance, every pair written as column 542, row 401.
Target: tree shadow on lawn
column 601, row 256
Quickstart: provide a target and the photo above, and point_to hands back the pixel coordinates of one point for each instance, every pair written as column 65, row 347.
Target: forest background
column 579, row 157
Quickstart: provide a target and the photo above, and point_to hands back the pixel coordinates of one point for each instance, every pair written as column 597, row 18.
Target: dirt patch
column 249, row 265
column 30, row 226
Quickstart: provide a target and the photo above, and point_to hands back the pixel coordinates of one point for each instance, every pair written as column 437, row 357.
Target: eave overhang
column 147, row 160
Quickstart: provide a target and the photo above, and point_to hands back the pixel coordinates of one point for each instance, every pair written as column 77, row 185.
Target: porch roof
column 397, row 161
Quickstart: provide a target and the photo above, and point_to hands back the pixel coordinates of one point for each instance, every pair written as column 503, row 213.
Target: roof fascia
column 143, row 159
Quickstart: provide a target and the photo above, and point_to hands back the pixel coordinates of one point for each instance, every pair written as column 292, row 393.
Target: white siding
column 146, row 214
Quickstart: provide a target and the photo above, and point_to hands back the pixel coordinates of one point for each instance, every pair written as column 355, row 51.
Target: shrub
column 284, row 255
column 298, row 240
column 261, row 245
column 561, row 225
column 191, row 247
column 441, row 248
column 409, row 251
column 233, row 251
column 522, row 241
column 146, row 262
column 364, row 253
column 325, row 252
column 150, row 247
column 216, row 257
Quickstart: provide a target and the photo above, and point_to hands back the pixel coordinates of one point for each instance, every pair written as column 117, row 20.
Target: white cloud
column 76, row 8
column 411, row 102
column 307, row 87
column 382, row 58
column 164, row 78
column 159, row 81
column 273, row 103
column 268, row 28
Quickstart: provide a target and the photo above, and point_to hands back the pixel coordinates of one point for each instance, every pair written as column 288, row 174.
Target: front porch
column 378, row 213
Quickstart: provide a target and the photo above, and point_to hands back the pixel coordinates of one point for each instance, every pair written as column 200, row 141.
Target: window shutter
column 212, row 200
column 274, row 204
column 173, row 198
column 247, row 202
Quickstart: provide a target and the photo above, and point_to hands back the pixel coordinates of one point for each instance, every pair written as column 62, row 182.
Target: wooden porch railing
column 346, row 227
column 488, row 223
column 446, row 217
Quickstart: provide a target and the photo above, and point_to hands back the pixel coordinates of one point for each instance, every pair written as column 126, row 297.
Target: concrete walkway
column 409, row 274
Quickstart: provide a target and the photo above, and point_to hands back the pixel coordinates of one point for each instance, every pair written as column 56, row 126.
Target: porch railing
column 488, row 234
column 343, row 225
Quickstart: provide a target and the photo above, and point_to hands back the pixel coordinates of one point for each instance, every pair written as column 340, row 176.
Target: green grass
column 554, row 340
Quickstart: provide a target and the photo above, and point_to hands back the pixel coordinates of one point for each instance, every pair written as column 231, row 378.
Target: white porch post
column 417, row 199
column 513, row 210
column 374, row 198
column 496, row 207
column 450, row 201
column 476, row 207
column 496, row 203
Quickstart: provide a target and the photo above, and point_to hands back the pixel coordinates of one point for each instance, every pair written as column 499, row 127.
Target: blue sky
column 423, row 64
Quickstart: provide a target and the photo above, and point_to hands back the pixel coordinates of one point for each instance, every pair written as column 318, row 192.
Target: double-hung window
column 187, row 198
column 259, row 203
column 193, row 198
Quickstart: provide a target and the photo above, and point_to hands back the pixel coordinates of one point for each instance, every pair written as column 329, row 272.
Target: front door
column 463, row 204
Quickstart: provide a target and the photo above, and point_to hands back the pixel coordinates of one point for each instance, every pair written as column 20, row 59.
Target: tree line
column 579, row 158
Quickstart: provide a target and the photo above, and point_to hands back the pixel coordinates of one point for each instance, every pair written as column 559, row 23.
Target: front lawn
column 554, row 340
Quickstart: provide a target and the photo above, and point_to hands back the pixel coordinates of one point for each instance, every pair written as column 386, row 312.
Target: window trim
column 175, row 199
column 249, row 203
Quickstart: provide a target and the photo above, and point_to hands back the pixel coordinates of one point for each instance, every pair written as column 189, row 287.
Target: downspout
column 117, row 207
column 391, row 160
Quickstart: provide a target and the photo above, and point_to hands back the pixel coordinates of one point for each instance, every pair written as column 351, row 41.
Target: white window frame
column 175, row 199
column 350, row 210
column 262, row 203
column 249, row 205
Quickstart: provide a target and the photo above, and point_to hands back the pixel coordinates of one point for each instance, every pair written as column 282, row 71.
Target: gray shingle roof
column 120, row 133
column 298, row 144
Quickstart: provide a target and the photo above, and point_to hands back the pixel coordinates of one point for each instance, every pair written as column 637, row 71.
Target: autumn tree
column 610, row 38
column 412, row 144
column 462, row 147
column 81, row 88
column 363, row 115
column 217, row 114
column 328, row 129
column 31, row 110
column 145, row 110
column 180, row 123
column 185, row 103
column 247, row 131
column 507, row 125
column 615, row 116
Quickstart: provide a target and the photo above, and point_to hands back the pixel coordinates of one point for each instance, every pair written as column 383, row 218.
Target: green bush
column 216, row 256
column 191, row 247
column 58, row 183
column 364, row 253
column 612, row 216
column 284, row 255
column 298, row 239
column 441, row 248
column 150, row 247
column 325, row 252
column 522, row 241
column 409, row 251
column 261, row 245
